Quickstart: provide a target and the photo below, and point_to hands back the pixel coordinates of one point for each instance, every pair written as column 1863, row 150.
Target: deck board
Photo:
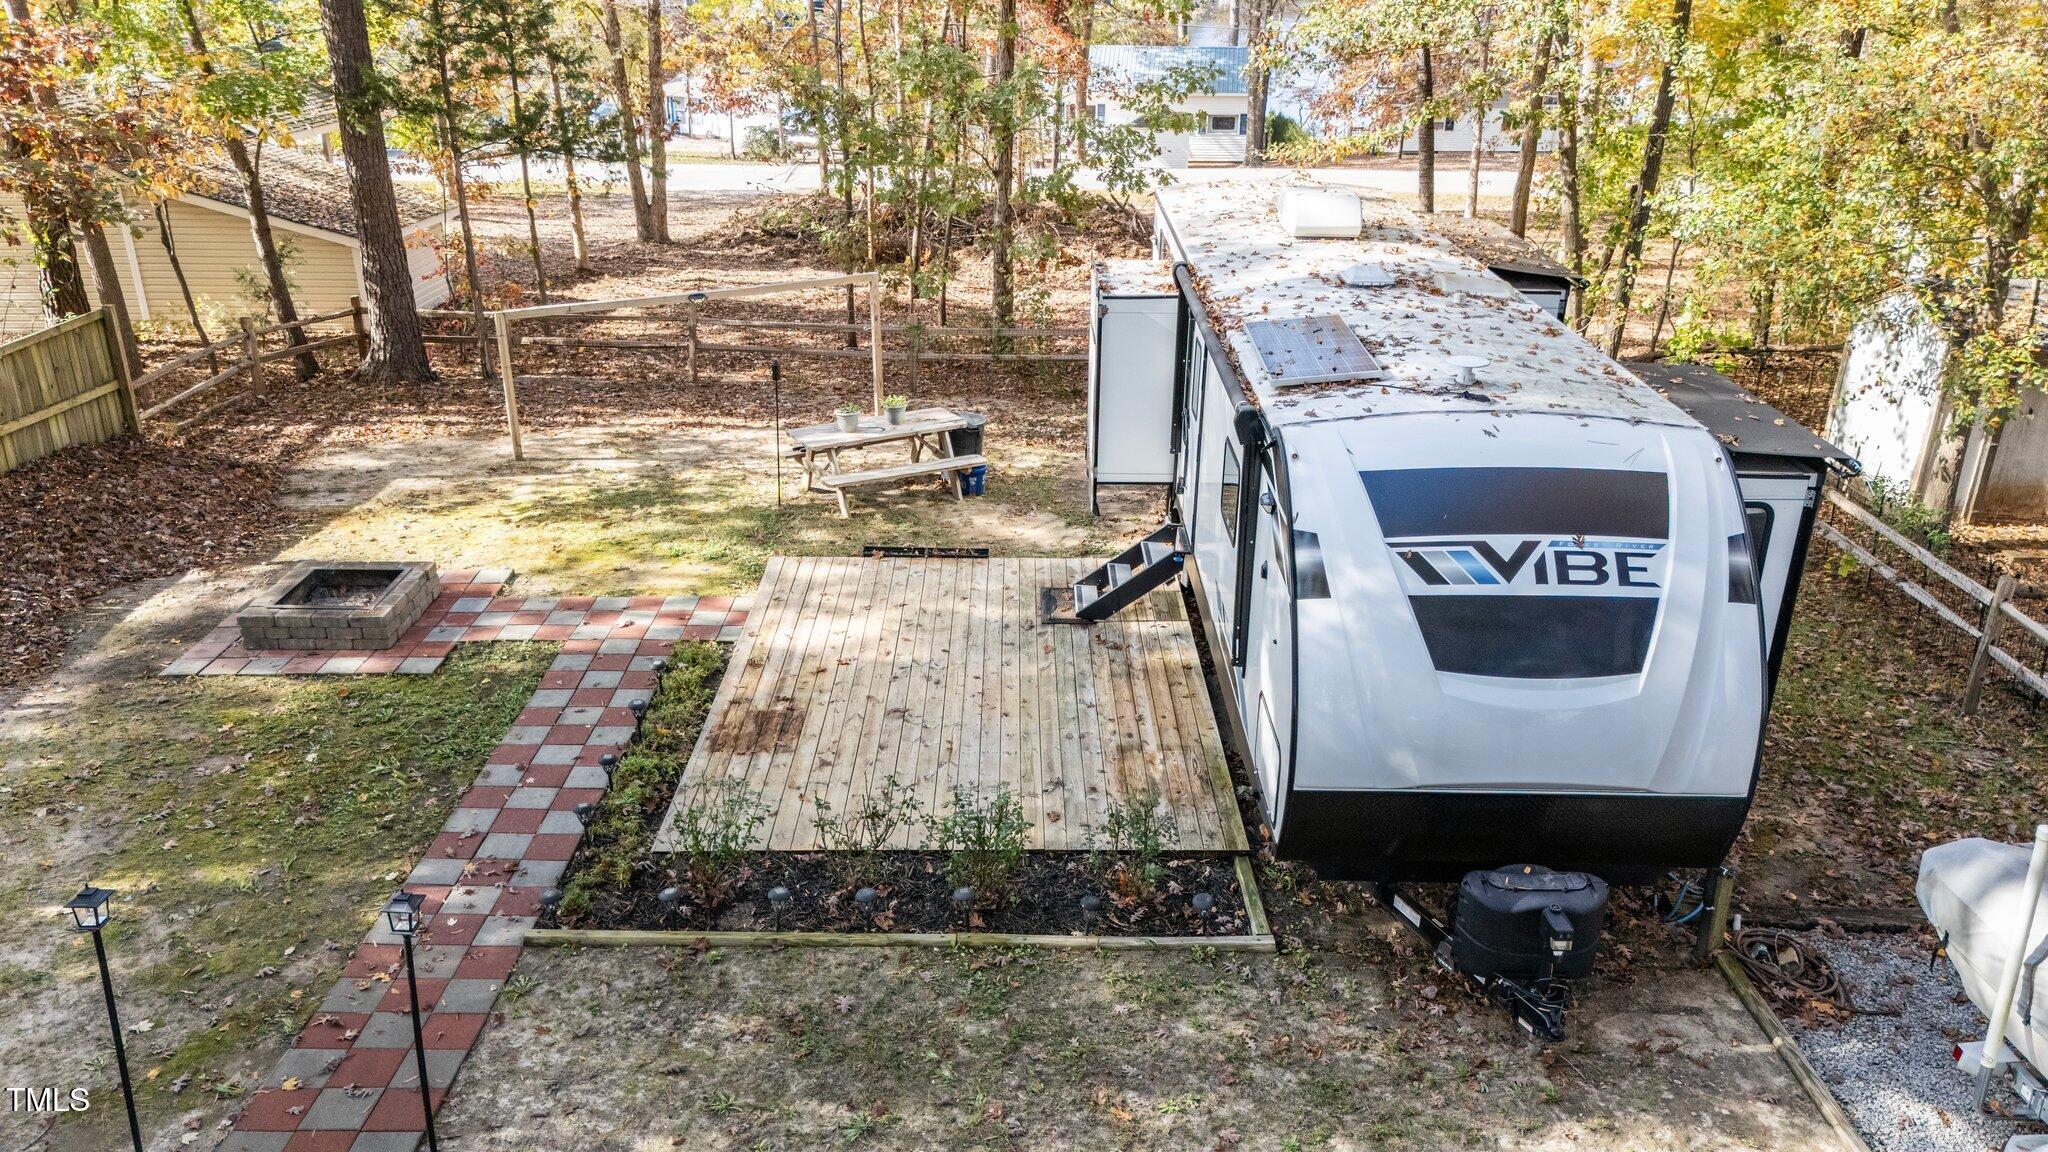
column 939, row 672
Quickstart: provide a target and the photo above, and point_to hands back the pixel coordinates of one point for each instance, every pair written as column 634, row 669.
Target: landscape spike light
column 402, row 912
column 670, row 897
column 778, row 899
column 551, row 898
column 1091, row 904
column 584, row 810
column 639, row 707
column 91, row 909
column 1202, row 902
column 865, row 898
column 607, row 760
column 963, row 897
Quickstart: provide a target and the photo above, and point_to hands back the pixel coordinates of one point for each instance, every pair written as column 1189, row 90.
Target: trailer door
column 1131, row 386
column 1267, row 690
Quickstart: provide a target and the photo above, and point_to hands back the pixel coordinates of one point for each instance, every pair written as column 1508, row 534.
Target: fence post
column 131, row 413
column 875, row 333
column 693, row 346
column 511, row 392
column 1987, row 639
column 251, row 364
column 355, row 318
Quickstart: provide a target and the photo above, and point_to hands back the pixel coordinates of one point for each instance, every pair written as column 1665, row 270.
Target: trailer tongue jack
column 1517, row 935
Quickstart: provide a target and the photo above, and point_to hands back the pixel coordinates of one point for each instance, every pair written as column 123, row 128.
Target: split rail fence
column 1984, row 616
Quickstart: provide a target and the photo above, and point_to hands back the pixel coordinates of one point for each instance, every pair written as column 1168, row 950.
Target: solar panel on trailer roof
column 1311, row 350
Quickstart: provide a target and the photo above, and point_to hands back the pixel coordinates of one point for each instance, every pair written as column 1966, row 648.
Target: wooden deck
column 940, row 672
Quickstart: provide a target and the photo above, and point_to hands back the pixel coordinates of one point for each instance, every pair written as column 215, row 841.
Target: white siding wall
column 214, row 246
column 1499, row 139
column 1204, row 145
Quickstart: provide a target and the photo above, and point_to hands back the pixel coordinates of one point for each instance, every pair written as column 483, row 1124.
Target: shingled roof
column 303, row 189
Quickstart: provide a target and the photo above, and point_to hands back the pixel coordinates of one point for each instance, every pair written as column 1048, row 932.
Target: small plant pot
column 848, row 421
column 893, row 415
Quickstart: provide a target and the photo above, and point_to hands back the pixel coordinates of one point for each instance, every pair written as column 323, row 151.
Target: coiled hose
column 1787, row 970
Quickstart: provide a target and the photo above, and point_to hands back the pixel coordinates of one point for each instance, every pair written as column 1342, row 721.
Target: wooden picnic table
column 928, row 431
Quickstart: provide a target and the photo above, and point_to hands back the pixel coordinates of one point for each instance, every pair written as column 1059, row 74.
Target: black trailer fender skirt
column 1427, row 836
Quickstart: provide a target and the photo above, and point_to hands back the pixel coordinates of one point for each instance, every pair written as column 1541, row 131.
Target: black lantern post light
column 403, row 915
column 91, row 910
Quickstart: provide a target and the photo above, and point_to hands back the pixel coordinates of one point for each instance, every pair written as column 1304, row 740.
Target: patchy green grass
column 250, row 827
column 641, row 525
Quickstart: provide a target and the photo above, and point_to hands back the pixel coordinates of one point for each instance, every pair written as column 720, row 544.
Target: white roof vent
column 1366, row 276
column 1320, row 213
column 1468, row 368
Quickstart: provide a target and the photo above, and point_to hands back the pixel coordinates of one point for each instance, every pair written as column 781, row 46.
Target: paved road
column 750, row 177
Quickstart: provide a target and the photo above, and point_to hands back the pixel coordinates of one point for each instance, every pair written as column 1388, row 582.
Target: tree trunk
column 60, row 281
column 657, row 138
column 1472, row 164
column 1425, row 137
column 522, row 146
column 1645, row 189
column 451, row 139
column 163, row 236
column 1258, row 85
column 1664, row 304
column 276, row 286
column 629, row 132
column 1532, row 137
column 1571, row 189
column 246, row 165
column 1084, row 115
column 1005, row 132
column 106, row 276
column 567, row 146
column 391, row 318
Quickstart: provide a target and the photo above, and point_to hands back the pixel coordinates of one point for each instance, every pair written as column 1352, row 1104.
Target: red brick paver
column 509, row 839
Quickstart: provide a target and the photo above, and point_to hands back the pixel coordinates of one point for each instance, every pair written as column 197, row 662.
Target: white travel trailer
column 1476, row 596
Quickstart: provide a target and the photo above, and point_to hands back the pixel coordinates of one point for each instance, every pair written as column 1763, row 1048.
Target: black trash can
column 967, row 441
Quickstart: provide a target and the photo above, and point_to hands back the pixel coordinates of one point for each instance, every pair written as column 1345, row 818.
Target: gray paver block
column 468, row 996
column 504, row 846
column 386, row 1030
column 335, row 1108
column 255, row 1142
column 529, row 797
column 346, row 997
column 437, row 871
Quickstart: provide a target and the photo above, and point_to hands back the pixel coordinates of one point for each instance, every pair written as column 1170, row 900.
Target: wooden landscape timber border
column 1788, row 1051
column 1259, row 939
column 63, row 386
column 1997, row 603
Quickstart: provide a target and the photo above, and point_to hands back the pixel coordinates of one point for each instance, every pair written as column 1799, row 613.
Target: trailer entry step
column 1130, row 575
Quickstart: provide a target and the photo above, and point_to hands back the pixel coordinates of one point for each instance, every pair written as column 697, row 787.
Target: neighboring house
column 1889, row 412
column 310, row 213
column 1221, row 113
column 1454, row 132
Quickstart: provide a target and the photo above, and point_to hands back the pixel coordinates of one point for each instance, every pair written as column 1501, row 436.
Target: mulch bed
column 913, row 894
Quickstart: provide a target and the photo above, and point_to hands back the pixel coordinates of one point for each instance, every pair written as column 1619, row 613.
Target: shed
column 310, row 212
column 1890, row 412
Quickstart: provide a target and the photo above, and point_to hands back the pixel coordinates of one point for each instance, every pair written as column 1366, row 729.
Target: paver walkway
column 349, row 1082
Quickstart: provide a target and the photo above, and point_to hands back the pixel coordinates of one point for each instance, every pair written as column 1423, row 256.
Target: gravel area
column 1893, row 1073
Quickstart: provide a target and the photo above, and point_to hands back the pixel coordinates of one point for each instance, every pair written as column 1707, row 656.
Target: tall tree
column 1003, row 128
column 1644, row 192
column 396, row 354
column 1258, row 77
column 1533, row 105
column 263, row 84
column 627, row 121
column 657, row 127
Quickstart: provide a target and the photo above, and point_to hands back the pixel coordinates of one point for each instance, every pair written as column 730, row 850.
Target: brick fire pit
column 354, row 605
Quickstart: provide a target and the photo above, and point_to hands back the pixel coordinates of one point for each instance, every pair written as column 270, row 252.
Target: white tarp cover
column 1972, row 890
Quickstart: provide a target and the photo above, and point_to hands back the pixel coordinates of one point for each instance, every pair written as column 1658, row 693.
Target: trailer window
column 1537, row 637
column 1227, row 502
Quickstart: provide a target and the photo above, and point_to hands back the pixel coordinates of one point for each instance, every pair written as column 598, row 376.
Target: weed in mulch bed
column 914, row 894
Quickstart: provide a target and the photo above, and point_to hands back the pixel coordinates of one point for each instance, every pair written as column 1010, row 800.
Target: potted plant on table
column 893, row 408
column 849, row 417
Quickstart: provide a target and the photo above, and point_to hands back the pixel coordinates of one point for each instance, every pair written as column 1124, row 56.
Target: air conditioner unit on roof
column 1320, row 213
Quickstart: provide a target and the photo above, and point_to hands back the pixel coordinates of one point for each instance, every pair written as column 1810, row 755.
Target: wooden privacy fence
column 62, row 386
column 244, row 356
column 1993, row 609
